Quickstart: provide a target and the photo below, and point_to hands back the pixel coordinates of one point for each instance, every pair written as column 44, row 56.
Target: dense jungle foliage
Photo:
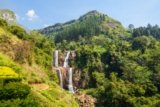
column 120, row 67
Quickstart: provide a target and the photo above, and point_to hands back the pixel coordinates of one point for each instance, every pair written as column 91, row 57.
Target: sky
column 36, row 14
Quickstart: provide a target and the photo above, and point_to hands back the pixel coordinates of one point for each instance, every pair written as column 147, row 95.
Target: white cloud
column 31, row 14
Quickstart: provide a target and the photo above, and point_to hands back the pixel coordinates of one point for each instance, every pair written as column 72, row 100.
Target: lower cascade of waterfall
column 60, row 77
column 70, row 84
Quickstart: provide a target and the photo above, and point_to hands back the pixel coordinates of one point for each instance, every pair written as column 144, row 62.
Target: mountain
column 89, row 24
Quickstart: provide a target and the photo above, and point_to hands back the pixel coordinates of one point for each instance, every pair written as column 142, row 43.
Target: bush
column 30, row 101
column 18, row 31
column 14, row 90
column 3, row 23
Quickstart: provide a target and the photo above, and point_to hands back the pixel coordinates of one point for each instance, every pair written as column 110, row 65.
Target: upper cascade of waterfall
column 56, row 58
column 66, row 60
column 70, row 83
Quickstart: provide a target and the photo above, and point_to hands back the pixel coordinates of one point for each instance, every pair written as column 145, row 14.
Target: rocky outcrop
column 8, row 15
column 84, row 100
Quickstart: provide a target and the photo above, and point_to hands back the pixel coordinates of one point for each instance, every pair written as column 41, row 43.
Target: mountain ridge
column 91, row 23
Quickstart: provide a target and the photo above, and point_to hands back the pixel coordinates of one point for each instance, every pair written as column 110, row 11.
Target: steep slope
column 91, row 24
column 26, row 77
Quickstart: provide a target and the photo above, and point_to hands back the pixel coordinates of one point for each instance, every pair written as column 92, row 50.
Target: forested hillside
column 118, row 67
column 91, row 24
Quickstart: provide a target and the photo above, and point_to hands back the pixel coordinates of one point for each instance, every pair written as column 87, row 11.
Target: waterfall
column 56, row 58
column 66, row 66
column 60, row 77
column 66, row 60
column 70, row 84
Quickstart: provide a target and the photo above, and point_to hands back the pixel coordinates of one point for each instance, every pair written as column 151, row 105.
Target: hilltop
column 90, row 24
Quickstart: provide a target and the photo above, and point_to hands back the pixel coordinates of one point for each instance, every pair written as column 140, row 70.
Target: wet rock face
column 61, row 56
column 65, row 75
column 77, row 78
column 64, row 79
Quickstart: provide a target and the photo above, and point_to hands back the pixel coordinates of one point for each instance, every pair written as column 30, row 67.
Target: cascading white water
column 56, row 58
column 66, row 60
column 60, row 77
column 70, row 84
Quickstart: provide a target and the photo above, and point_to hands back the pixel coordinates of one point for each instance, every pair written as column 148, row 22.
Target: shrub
column 18, row 31
column 3, row 23
column 14, row 90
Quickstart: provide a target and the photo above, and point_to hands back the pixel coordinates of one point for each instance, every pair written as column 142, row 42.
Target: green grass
column 60, row 97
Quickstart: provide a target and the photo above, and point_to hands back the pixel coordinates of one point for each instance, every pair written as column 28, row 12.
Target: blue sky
column 34, row 14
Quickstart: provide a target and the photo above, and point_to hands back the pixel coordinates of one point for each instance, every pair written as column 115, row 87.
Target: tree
column 142, row 43
column 131, row 27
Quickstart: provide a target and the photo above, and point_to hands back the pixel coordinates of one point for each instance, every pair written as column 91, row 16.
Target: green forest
column 113, row 65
